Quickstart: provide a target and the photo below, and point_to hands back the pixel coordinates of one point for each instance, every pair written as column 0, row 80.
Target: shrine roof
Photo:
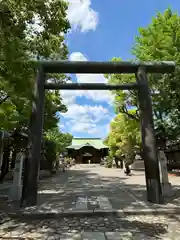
column 78, row 143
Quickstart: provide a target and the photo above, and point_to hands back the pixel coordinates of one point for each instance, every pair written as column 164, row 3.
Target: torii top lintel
column 106, row 67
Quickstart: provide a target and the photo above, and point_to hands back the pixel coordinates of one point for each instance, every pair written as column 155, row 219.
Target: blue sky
column 102, row 29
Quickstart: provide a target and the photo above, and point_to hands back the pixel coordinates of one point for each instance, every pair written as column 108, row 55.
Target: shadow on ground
column 81, row 183
column 53, row 227
column 78, row 182
column 61, row 192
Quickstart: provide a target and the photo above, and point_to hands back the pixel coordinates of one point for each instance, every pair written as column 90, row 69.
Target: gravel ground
column 61, row 192
column 129, row 227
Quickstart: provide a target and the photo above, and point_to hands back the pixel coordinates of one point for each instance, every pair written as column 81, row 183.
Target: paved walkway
column 96, row 188
column 93, row 189
column 136, row 184
column 84, row 188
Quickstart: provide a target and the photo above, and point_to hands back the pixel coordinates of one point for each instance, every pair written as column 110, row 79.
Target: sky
column 101, row 30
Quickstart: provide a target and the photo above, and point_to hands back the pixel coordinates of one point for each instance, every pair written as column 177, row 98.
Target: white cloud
column 91, row 78
column 85, row 112
column 90, row 128
column 68, row 97
column 87, row 118
column 82, row 16
column 77, row 56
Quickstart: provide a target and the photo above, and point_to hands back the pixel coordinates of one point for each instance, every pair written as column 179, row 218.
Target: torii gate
column 140, row 69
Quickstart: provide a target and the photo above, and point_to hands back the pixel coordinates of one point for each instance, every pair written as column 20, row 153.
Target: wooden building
column 85, row 149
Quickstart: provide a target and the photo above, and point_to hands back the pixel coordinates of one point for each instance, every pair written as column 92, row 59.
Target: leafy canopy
column 160, row 40
column 124, row 135
column 29, row 30
column 61, row 140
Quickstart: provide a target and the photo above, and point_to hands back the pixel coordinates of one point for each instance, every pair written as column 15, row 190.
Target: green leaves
column 62, row 140
column 123, row 99
column 124, row 135
column 29, row 30
column 160, row 40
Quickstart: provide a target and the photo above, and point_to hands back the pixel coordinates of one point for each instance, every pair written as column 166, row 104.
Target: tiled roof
column 78, row 143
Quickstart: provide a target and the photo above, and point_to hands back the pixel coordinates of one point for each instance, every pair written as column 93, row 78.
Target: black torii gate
column 140, row 69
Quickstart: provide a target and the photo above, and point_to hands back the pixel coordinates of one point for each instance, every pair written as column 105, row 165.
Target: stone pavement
column 89, row 190
column 137, row 186
column 129, row 227
column 86, row 188
column 93, row 188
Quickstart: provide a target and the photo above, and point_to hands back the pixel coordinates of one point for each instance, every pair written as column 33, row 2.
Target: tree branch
column 137, row 113
column 155, row 113
column 3, row 100
column 125, row 111
column 132, row 92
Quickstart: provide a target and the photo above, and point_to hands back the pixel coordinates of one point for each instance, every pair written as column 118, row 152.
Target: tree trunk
column 116, row 161
column 25, row 181
column 121, row 164
column 13, row 161
column 5, row 164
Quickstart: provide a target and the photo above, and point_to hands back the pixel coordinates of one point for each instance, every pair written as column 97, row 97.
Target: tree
column 160, row 41
column 62, row 140
column 29, row 30
column 56, row 143
column 126, row 98
column 124, row 136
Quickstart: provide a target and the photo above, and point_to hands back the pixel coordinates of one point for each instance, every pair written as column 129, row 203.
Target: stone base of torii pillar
column 15, row 190
column 165, row 184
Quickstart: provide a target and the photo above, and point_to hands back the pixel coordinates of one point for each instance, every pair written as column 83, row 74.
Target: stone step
column 104, row 203
column 95, row 203
column 98, row 236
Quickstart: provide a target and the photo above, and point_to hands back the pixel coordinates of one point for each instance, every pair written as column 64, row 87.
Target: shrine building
column 85, row 149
